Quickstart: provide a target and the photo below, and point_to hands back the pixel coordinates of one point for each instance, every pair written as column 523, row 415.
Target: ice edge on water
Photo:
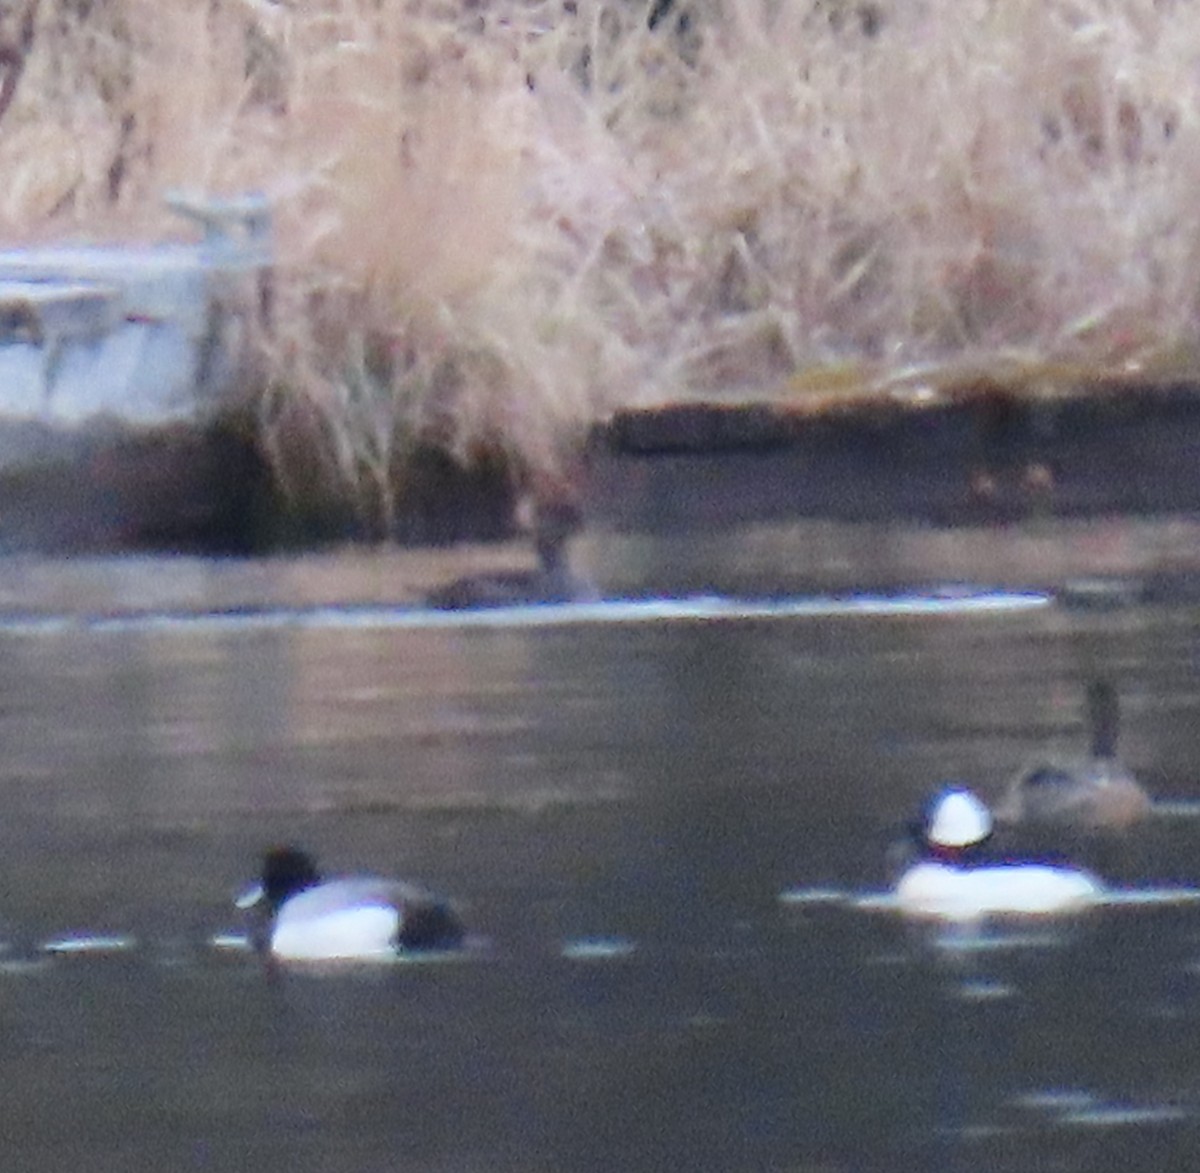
column 654, row 610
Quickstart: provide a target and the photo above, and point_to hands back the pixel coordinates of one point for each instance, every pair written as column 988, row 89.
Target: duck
column 551, row 581
column 299, row 916
column 956, row 878
column 1093, row 793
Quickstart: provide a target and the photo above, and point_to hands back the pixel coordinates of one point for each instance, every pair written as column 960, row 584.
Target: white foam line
column 617, row 611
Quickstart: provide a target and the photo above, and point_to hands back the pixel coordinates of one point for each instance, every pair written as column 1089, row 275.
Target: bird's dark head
column 286, row 871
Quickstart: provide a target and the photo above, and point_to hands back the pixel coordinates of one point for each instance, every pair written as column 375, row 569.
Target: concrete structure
column 116, row 364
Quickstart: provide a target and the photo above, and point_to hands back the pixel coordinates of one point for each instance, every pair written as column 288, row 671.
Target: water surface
column 663, row 830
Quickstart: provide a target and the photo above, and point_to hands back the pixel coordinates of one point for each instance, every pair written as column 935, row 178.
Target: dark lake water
column 663, row 829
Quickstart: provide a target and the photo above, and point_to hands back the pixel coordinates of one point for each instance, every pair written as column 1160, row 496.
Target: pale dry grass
column 497, row 221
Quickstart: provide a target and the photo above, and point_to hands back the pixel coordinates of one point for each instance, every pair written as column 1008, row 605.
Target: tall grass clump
column 499, row 220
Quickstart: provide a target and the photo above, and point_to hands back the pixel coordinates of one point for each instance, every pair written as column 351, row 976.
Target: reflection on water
column 670, row 840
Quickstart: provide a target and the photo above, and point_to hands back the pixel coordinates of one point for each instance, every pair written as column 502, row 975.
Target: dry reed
column 501, row 219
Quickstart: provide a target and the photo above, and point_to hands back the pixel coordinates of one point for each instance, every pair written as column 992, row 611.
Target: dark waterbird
column 1095, row 791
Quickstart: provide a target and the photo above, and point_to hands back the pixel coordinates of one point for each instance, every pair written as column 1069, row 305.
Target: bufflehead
column 955, row 879
column 301, row 917
column 1092, row 792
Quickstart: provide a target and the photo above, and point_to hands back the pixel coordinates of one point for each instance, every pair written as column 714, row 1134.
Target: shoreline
column 981, row 484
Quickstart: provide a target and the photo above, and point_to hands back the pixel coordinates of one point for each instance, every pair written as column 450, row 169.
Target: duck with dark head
column 300, row 916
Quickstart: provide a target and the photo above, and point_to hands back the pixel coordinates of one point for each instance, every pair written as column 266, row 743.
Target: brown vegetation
column 497, row 220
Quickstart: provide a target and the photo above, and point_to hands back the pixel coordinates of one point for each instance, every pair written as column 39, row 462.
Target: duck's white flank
column 363, row 932
column 954, row 892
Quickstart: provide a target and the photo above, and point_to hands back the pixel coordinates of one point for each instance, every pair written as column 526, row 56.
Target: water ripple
column 597, row 949
column 1078, row 1108
column 90, row 943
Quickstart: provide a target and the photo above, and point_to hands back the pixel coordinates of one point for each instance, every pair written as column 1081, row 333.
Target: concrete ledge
column 990, row 456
